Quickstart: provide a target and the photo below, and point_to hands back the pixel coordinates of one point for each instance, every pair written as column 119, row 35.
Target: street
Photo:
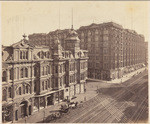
column 115, row 103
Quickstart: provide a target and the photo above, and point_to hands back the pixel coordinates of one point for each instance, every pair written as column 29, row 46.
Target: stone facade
column 113, row 51
column 36, row 76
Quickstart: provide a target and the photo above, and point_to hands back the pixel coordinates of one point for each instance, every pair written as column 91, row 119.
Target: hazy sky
column 42, row 17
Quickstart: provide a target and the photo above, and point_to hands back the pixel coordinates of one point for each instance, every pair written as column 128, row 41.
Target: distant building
column 146, row 53
column 47, row 39
column 36, row 76
column 113, row 51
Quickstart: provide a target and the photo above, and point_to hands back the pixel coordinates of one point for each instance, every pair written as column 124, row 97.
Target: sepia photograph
column 74, row 61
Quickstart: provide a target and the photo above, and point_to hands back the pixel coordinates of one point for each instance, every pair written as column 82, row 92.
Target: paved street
column 115, row 103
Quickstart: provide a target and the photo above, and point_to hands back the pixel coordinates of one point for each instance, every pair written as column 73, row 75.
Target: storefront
column 71, row 91
column 7, row 113
column 82, row 87
column 77, row 88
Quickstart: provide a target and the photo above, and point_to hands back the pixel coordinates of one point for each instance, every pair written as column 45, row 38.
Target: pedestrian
column 85, row 98
column 25, row 119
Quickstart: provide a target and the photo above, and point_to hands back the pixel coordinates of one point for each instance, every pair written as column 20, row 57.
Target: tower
column 72, row 41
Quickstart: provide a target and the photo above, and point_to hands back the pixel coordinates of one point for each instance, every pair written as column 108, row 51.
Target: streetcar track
column 120, row 95
column 104, row 103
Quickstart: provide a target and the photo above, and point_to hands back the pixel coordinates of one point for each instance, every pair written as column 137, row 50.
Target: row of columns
column 17, row 56
column 16, row 73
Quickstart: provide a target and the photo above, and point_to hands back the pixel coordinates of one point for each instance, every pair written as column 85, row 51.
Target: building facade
column 113, row 51
column 36, row 76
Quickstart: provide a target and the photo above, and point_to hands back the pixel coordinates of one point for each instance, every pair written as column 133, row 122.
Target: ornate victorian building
column 113, row 51
column 35, row 76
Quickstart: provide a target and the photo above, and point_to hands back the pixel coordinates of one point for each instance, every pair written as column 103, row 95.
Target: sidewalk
column 43, row 113
column 39, row 115
column 127, row 76
column 90, row 93
column 120, row 80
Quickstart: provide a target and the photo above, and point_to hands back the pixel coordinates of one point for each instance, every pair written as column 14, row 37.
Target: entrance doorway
column 23, row 106
column 50, row 100
column 30, row 110
column 16, row 115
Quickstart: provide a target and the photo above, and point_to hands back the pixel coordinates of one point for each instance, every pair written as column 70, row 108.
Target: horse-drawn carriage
column 65, row 107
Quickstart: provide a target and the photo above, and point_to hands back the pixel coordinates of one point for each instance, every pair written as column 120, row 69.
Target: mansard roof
column 94, row 25
column 72, row 35
column 58, row 31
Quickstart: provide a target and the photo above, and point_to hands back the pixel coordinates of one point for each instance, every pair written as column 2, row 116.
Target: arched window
column 11, row 74
column 35, row 71
column 19, row 90
column 56, row 69
column 27, row 89
column 9, row 92
column 48, row 83
column 4, row 76
column 4, row 95
column 24, row 89
column 46, row 87
column 21, row 73
column 20, row 54
column 26, row 54
column 49, row 70
column 60, row 81
column 43, row 71
column 43, row 85
column 34, row 86
column 26, row 72
column 60, row 68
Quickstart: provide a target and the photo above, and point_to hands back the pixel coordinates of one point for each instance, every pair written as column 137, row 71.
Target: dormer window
column 96, row 31
column 89, row 33
column 82, row 34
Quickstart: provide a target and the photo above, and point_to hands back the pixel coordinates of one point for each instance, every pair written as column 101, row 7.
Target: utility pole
column 72, row 17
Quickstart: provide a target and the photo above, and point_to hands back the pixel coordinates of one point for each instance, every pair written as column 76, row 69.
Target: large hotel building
column 49, row 68
column 38, row 74
column 112, row 50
